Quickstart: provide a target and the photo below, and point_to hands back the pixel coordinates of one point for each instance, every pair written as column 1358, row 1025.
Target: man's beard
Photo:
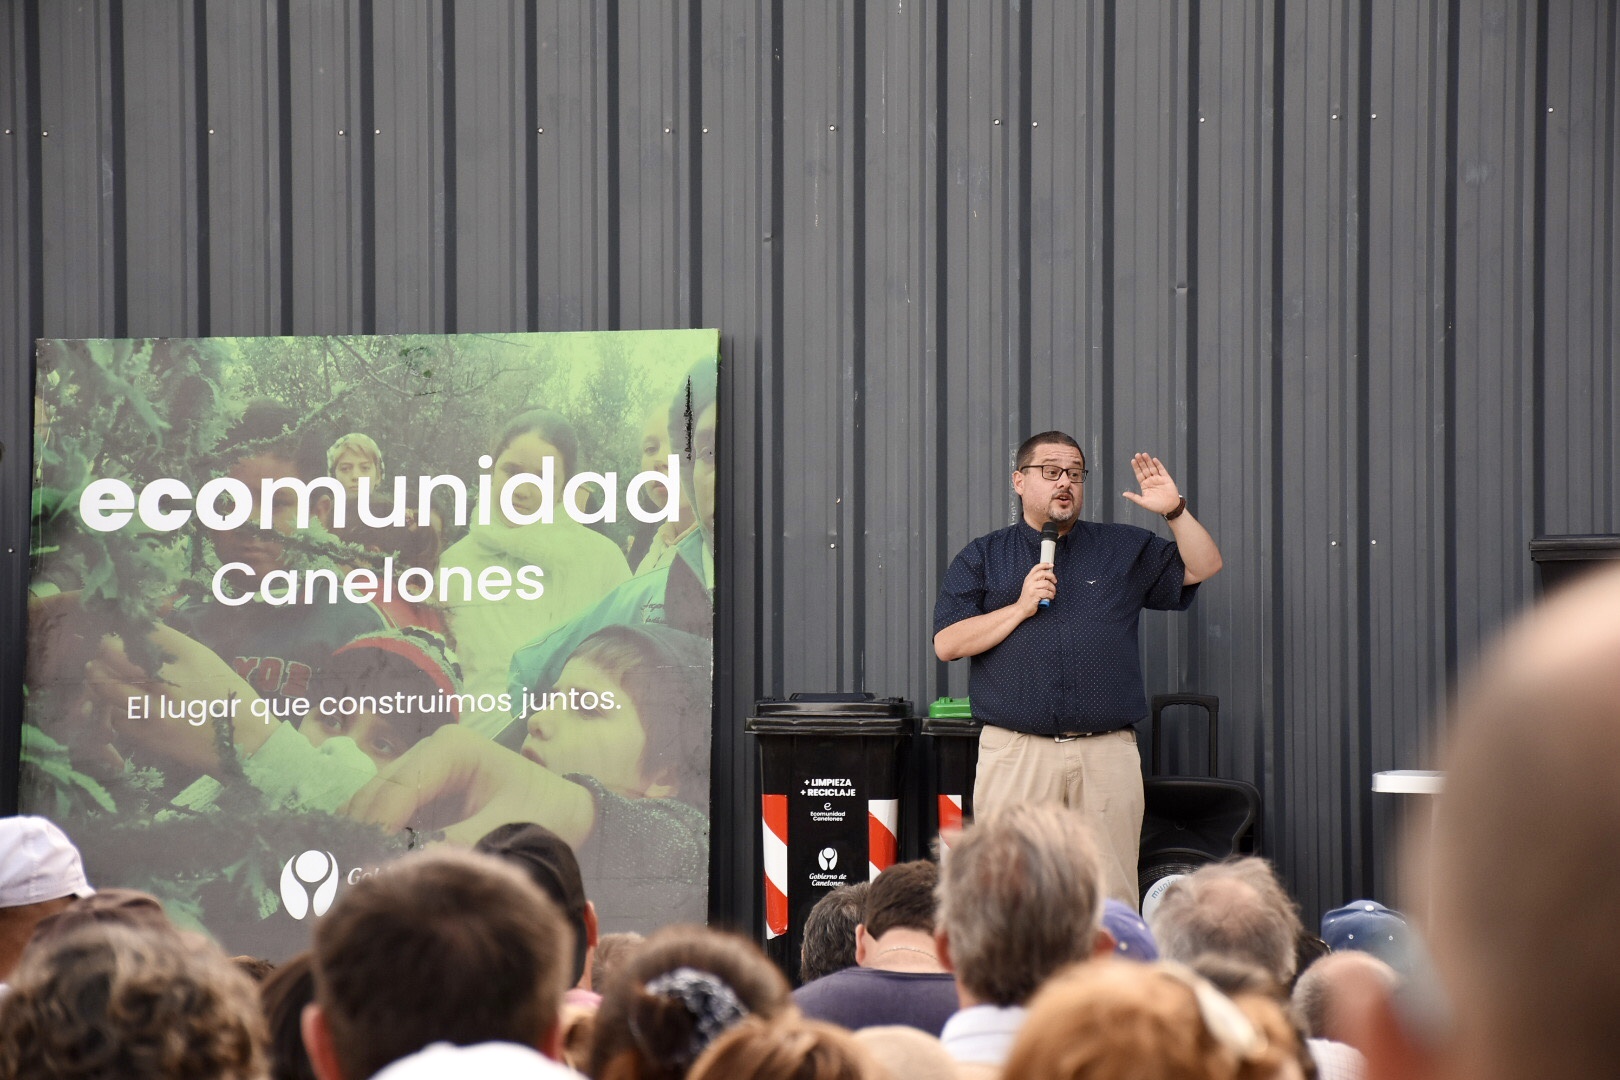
column 1052, row 511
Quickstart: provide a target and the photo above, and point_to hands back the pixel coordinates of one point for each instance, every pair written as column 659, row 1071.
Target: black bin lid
column 830, row 714
column 960, row 726
column 1579, row 548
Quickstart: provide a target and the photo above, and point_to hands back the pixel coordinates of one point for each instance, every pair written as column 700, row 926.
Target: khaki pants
column 1099, row 776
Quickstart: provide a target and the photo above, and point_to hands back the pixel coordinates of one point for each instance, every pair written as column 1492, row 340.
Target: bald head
column 1524, row 891
column 1317, row 995
column 1238, row 910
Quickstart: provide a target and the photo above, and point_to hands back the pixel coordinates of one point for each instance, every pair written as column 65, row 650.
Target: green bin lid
column 951, row 716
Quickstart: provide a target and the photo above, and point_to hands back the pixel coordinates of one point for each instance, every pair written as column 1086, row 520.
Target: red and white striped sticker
column 950, row 817
column 882, row 827
column 774, row 813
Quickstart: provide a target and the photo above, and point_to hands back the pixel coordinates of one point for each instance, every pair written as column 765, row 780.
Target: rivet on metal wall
column 1549, row 108
column 832, row 127
column 539, row 131
column 44, row 134
column 1200, row 119
column 996, row 121
column 341, row 133
column 1034, row 123
column 705, row 131
column 832, row 545
column 1333, row 543
column 376, row 131
column 1335, row 116
column 8, row 131
column 1375, row 116
column 666, row 131
column 1375, row 543
column 210, row 131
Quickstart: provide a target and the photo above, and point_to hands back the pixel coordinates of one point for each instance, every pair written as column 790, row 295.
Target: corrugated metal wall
column 1348, row 266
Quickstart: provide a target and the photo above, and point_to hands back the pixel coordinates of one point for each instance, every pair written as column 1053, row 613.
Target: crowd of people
column 1006, row 959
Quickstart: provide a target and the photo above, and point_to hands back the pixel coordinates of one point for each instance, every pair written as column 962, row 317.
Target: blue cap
column 1132, row 938
column 1370, row 927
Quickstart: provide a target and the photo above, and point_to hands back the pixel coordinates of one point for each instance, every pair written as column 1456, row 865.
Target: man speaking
column 1056, row 671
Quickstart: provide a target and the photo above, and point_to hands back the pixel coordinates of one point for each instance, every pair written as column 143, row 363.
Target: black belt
column 1070, row 736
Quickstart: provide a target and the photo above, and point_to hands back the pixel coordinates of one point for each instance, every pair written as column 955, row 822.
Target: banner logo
column 316, row 870
column 828, row 858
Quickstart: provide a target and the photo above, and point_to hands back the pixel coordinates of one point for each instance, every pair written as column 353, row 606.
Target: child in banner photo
column 579, row 565
column 677, row 594
column 630, row 709
column 385, row 693
column 653, row 544
column 615, row 762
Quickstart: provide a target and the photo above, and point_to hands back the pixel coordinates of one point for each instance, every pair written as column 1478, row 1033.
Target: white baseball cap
column 38, row 862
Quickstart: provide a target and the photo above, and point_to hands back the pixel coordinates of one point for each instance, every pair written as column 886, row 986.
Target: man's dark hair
column 284, row 994
column 551, row 865
column 829, row 931
column 901, row 897
column 1046, row 438
column 447, row 946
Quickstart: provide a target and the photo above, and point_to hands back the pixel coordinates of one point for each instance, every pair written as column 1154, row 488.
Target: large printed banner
column 299, row 605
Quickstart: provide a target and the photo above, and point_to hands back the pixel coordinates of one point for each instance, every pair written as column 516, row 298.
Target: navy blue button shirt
column 1075, row 666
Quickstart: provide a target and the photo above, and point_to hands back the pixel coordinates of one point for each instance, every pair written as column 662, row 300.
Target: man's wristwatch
column 1181, row 508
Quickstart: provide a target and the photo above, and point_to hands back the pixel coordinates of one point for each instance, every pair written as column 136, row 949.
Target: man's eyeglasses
column 1052, row 472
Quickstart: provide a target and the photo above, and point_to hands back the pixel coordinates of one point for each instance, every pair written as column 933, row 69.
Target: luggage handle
column 1212, row 712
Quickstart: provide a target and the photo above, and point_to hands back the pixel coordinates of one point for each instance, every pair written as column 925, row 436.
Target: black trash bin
column 1561, row 559
column 954, row 750
column 830, row 772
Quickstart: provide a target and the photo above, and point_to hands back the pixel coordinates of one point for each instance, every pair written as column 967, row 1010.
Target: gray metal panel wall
column 1349, row 266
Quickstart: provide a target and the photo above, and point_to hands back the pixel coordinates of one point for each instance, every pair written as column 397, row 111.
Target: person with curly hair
column 108, row 1000
column 683, row 988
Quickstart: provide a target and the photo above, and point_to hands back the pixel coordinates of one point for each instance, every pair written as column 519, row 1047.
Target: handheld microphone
column 1049, row 537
